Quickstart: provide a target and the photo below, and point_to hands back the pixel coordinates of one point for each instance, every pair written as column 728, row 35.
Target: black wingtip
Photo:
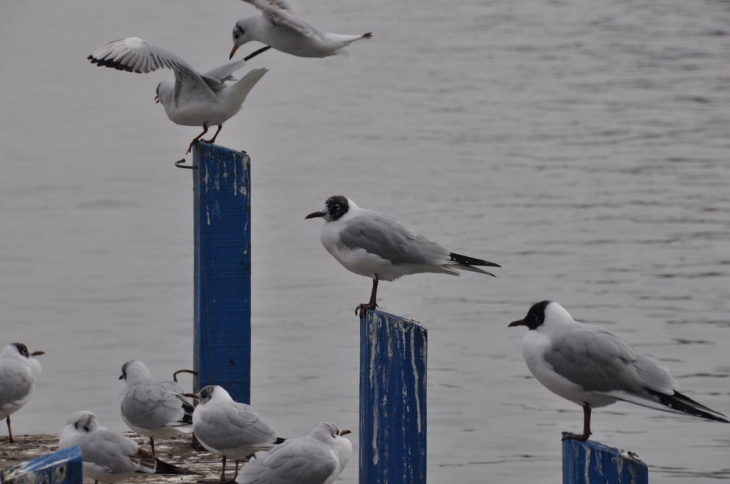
column 684, row 404
column 279, row 440
column 471, row 261
column 169, row 469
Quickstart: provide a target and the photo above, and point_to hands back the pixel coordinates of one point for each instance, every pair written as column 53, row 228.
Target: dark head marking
column 123, row 376
column 535, row 316
column 337, row 206
column 22, row 349
column 206, row 394
column 238, row 32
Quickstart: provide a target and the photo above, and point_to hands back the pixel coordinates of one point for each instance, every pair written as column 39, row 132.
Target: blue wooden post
column 594, row 463
column 222, row 204
column 62, row 467
column 392, row 400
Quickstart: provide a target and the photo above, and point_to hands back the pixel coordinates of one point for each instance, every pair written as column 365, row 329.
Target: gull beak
column 38, row 353
column 344, row 432
column 157, row 99
column 233, row 51
column 315, row 214
column 191, row 395
column 521, row 322
column 121, row 377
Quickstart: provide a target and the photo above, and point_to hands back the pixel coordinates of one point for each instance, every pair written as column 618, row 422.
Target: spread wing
column 385, row 236
column 278, row 12
column 136, row 55
column 296, row 461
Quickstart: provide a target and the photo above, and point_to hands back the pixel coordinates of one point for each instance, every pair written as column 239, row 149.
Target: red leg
column 360, row 309
column 586, row 427
column 10, row 431
column 223, row 472
column 212, row 140
column 192, row 143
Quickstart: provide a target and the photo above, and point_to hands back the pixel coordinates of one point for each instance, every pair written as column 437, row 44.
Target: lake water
column 583, row 145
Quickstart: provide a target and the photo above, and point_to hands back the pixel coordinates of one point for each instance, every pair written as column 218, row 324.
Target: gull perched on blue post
column 19, row 374
column 277, row 27
column 377, row 246
column 592, row 367
column 192, row 99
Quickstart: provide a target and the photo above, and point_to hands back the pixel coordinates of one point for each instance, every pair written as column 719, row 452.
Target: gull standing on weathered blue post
column 192, row 99
column 593, row 367
column 279, row 28
column 19, row 374
column 153, row 408
column 379, row 247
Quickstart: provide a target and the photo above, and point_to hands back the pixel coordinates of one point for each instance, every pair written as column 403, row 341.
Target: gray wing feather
column 296, row 461
column 136, row 55
column 385, row 236
column 111, row 451
column 225, row 72
column 232, row 426
column 278, row 12
column 152, row 405
column 17, row 383
column 598, row 360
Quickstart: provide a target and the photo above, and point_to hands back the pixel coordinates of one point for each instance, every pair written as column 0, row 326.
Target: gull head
column 134, row 371
column 22, row 350
column 334, row 208
column 83, row 421
column 240, row 34
column 544, row 314
column 211, row 392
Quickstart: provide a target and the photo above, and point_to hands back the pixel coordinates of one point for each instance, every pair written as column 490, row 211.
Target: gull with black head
column 593, row 367
column 377, row 246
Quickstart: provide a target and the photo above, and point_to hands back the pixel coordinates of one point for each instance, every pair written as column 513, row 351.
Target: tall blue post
column 594, row 463
column 62, row 467
column 392, row 399
column 222, row 204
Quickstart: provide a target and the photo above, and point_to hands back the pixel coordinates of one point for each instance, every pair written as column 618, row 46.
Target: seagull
column 378, row 246
column 19, row 374
column 277, row 27
column 192, row 99
column 153, row 408
column 317, row 458
column 593, row 367
column 228, row 428
column 109, row 456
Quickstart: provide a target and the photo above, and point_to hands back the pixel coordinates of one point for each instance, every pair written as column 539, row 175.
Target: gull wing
column 278, row 12
column 296, row 461
column 136, row 55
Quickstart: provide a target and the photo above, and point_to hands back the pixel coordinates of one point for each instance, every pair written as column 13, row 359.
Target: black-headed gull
column 153, row 408
column 192, row 99
column 593, row 367
column 277, row 27
column 379, row 247
column 228, row 428
column 19, row 374
column 109, row 456
column 317, row 458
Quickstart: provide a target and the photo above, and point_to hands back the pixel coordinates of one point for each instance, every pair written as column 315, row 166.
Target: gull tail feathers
column 241, row 88
column 467, row 263
column 170, row 469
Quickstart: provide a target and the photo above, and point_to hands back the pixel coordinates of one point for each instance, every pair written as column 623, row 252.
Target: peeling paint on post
column 222, row 306
column 393, row 354
column 62, row 467
column 594, row 463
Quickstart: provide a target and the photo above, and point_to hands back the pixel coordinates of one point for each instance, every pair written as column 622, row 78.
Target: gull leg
column 236, row 474
column 10, row 431
column 223, row 472
column 586, row 427
column 360, row 309
column 212, row 140
column 152, row 444
column 205, row 130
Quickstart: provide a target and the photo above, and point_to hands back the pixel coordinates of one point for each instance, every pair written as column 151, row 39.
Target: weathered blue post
column 594, row 463
column 392, row 399
column 222, row 204
column 62, row 467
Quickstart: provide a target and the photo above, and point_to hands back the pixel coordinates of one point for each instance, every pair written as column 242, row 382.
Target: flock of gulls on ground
column 584, row 364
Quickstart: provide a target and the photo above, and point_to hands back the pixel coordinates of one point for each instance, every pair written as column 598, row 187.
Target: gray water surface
column 583, row 145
